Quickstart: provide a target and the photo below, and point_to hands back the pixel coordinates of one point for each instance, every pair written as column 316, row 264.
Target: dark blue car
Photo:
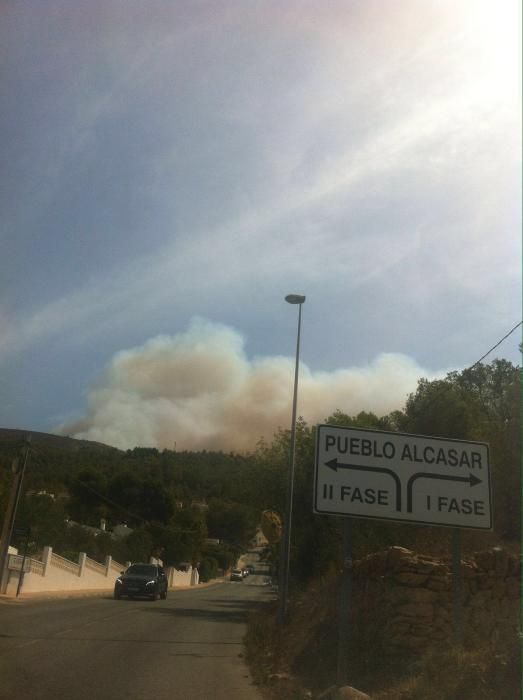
column 142, row 580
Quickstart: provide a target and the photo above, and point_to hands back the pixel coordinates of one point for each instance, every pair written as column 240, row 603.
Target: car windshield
column 142, row 569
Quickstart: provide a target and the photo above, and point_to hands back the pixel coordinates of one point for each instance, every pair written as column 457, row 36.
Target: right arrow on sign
column 335, row 465
column 471, row 479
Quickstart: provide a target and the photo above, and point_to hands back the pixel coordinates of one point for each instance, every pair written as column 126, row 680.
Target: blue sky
column 172, row 170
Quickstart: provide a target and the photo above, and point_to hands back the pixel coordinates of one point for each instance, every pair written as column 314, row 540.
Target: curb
column 6, row 599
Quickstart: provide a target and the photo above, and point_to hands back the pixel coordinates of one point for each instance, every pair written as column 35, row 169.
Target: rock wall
column 403, row 602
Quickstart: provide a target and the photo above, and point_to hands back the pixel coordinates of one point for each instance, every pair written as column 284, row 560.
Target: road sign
column 21, row 531
column 397, row 476
column 16, row 562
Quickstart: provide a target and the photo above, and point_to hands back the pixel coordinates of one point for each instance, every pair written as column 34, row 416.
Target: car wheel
column 163, row 595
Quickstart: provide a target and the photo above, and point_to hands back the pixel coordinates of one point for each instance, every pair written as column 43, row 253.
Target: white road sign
column 396, row 476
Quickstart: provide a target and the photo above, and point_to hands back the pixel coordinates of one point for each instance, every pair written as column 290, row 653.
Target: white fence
column 93, row 565
column 65, row 564
column 182, row 579
column 54, row 573
column 37, row 567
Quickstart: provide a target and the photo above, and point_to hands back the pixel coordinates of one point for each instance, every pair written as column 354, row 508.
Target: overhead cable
column 496, row 345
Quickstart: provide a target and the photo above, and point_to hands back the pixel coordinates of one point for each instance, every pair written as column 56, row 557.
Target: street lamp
column 286, row 537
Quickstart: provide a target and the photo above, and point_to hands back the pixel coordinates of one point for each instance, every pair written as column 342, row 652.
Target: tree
column 87, row 494
column 138, row 546
column 140, row 498
column 45, row 518
column 233, row 522
column 480, row 404
column 208, row 569
column 442, row 408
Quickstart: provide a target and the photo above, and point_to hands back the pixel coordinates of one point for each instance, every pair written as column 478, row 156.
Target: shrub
column 208, row 569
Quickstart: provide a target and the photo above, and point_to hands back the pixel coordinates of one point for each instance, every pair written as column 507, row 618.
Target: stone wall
column 404, row 601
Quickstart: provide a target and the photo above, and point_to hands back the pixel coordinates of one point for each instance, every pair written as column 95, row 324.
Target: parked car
column 142, row 580
column 236, row 575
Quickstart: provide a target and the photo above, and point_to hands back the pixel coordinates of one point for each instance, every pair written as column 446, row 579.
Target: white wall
column 54, row 573
column 177, row 578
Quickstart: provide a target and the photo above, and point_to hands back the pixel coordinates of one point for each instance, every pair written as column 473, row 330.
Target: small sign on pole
column 21, row 531
column 19, row 562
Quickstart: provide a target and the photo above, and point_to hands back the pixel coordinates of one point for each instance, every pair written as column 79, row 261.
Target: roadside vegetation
column 480, row 404
column 180, row 506
column 299, row 660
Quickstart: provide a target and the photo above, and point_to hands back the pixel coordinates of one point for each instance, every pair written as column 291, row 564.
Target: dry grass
column 299, row 660
column 457, row 674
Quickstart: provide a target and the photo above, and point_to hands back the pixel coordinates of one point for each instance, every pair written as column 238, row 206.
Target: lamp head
column 295, row 299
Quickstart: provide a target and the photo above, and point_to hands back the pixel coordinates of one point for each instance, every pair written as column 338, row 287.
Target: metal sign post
column 22, row 568
column 345, row 595
column 457, row 587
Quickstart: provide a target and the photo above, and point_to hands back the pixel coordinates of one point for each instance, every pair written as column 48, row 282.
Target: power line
column 496, row 345
column 135, row 516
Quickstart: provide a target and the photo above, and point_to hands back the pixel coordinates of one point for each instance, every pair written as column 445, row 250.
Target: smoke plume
column 198, row 390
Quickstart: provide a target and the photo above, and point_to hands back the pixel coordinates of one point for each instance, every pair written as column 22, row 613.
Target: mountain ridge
column 17, row 437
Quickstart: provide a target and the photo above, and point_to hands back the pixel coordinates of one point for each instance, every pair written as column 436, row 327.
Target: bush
column 208, row 569
column 225, row 555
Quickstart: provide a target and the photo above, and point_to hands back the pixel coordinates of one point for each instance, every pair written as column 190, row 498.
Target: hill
column 13, row 437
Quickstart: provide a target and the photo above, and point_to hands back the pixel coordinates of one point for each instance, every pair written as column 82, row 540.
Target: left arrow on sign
column 335, row 465
column 471, row 479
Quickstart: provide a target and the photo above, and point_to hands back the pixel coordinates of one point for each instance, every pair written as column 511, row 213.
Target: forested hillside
column 173, row 501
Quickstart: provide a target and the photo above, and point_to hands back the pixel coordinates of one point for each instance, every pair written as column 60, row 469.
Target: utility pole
column 10, row 515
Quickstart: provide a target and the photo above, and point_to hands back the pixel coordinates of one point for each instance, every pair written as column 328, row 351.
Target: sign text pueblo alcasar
column 397, row 476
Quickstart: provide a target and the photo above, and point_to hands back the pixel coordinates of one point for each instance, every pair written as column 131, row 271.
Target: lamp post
column 287, row 521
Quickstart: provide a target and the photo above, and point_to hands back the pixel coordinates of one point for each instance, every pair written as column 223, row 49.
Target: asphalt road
column 188, row 646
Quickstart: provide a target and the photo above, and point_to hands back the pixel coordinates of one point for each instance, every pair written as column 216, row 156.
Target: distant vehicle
column 236, row 575
column 142, row 580
column 245, row 572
